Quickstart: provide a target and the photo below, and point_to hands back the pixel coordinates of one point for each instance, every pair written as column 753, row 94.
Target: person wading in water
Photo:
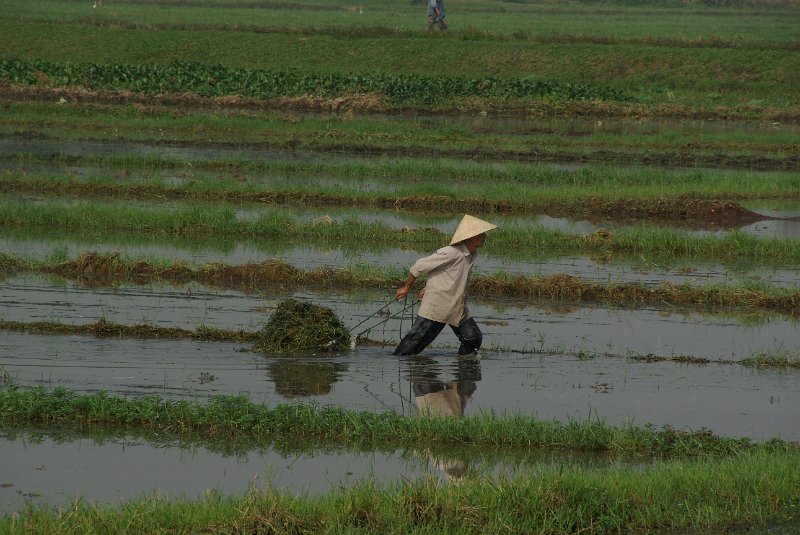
column 444, row 298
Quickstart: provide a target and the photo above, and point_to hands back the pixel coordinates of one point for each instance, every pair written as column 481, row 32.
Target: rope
column 372, row 315
column 386, row 319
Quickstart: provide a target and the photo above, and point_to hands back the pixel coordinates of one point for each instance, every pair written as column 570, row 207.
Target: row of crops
column 218, row 80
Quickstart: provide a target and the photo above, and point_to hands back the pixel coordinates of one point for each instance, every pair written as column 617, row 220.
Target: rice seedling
column 105, row 329
column 745, row 147
column 612, row 200
column 199, row 220
column 215, row 179
column 702, row 496
column 236, row 416
column 781, row 358
column 93, row 268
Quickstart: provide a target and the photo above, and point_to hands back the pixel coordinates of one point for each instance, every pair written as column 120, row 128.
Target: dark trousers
column 424, row 331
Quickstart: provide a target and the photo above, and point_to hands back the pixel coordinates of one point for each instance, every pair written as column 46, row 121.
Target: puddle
column 55, row 468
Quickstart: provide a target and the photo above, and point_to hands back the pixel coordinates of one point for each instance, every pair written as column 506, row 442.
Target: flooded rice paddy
column 45, row 243
column 55, row 468
column 656, row 365
column 568, row 362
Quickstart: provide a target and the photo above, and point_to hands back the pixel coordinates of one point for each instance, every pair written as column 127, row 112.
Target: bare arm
column 403, row 290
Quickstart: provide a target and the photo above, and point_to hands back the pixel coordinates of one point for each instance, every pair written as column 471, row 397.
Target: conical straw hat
column 469, row 227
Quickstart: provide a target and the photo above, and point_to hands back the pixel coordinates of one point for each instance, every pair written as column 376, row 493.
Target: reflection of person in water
column 437, row 399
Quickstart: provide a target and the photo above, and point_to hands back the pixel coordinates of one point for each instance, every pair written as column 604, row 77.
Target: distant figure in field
column 98, row 3
column 436, row 15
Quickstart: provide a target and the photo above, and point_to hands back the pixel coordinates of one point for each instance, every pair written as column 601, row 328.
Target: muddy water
column 43, row 244
column 567, row 328
column 729, row 400
column 54, row 469
column 579, row 370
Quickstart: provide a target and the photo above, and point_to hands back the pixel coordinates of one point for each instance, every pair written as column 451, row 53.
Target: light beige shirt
column 447, row 402
column 448, row 271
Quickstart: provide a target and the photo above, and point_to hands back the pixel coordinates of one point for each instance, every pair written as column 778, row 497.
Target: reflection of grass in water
column 200, row 220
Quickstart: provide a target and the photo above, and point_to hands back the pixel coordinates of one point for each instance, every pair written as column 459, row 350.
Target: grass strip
column 104, row 269
column 649, row 202
column 700, row 496
column 468, row 34
column 526, row 186
column 754, row 110
column 236, row 416
column 105, row 329
column 702, row 482
column 747, row 147
column 203, row 220
column 781, row 359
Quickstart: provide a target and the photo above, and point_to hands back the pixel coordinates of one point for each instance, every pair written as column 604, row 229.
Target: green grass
column 111, row 268
column 273, row 223
column 703, row 497
column 649, row 143
column 736, row 24
column 226, row 416
column 700, row 481
column 697, row 77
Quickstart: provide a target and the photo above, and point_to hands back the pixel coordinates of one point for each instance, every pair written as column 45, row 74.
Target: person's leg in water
column 422, row 333
column 470, row 336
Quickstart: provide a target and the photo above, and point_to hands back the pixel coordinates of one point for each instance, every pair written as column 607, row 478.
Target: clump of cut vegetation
column 300, row 326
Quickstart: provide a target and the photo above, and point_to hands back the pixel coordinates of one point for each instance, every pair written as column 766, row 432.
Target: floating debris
column 300, row 326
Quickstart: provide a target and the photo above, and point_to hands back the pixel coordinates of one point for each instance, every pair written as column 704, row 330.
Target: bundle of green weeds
column 300, row 326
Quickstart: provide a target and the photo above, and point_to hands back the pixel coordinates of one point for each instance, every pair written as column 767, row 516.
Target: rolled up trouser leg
column 422, row 333
column 470, row 336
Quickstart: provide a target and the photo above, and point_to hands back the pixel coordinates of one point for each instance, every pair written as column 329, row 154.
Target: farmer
column 445, row 294
column 436, row 15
